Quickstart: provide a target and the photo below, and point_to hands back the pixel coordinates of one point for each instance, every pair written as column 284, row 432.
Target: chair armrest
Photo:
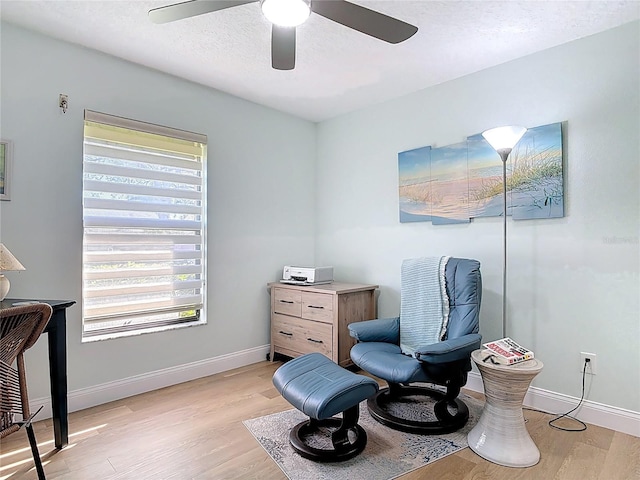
column 449, row 350
column 380, row 330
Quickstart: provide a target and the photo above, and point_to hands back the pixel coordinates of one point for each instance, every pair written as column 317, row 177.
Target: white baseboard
column 108, row 392
column 614, row 418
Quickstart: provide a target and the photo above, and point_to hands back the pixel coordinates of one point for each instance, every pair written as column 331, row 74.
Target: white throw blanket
column 424, row 304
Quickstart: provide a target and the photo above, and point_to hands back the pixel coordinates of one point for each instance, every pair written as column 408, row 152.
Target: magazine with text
column 507, row 352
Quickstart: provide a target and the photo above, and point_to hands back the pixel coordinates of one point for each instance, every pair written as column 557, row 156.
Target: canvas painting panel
column 449, row 184
column 485, row 179
column 414, row 185
column 537, row 175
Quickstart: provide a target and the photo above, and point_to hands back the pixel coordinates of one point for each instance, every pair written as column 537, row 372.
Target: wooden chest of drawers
column 307, row 319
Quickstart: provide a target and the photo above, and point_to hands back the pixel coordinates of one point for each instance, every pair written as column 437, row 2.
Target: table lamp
column 8, row 263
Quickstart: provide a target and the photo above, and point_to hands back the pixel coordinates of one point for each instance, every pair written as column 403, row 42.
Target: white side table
column 500, row 435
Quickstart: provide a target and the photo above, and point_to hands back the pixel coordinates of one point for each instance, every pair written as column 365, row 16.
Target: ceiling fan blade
column 178, row 11
column 364, row 20
column 283, row 47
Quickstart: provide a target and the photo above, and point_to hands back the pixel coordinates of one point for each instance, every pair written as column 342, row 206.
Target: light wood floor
column 195, row 431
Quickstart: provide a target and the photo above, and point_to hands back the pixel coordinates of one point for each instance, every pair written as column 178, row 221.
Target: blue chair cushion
column 319, row 387
column 385, row 360
column 464, row 288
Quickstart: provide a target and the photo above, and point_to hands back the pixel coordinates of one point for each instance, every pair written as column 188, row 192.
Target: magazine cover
column 507, row 351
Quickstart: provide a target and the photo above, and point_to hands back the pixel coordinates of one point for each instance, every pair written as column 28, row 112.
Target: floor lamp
column 503, row 139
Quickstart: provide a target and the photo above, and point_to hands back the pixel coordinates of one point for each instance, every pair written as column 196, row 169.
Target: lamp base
column 4, row 287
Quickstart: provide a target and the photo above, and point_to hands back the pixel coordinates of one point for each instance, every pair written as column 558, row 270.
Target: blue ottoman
column 320, row 389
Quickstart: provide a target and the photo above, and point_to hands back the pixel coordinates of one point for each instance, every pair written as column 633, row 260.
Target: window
column 144, row 262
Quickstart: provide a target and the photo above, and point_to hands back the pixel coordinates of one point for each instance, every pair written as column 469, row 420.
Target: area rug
column 388, row 454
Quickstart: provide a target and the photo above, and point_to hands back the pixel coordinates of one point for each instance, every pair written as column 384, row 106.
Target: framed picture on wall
column 5, row 168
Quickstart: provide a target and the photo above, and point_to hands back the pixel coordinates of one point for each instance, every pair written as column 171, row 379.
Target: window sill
column 142, row 331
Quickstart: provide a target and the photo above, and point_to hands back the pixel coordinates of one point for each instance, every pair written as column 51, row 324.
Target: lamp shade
column 504, row 138
column 286, row 13
column 8, row 262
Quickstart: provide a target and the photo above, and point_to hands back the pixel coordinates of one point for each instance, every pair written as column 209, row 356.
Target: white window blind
column 144, row 261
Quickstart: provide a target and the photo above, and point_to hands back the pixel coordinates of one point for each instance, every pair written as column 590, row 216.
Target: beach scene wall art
column 457, row 183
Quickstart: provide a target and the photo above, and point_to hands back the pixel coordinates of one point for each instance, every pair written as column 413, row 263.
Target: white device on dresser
column 307, row 275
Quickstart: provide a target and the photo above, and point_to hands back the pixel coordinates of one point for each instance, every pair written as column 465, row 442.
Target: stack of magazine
column 506, row 352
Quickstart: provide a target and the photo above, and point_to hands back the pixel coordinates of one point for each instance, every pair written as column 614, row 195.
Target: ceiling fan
column 285, row 15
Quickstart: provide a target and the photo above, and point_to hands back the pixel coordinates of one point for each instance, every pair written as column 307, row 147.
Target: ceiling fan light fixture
column 286, row 13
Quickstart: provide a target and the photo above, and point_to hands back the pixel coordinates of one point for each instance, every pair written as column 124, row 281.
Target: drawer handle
column 286, row 333
column 313, row 306
column 286, row 301
column 315, row 341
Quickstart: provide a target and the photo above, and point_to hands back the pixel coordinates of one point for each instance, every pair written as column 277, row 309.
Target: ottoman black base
column 343, row 447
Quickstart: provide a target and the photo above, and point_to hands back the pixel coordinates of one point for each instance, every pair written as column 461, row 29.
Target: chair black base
column 343, row 448
column 34, row 450
column 34, row 444
column 446, row 421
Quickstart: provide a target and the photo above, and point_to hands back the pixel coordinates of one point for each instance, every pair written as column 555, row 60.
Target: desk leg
column 57, row 333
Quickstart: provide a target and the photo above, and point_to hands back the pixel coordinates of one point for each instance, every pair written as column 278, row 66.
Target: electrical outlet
column 591, row 365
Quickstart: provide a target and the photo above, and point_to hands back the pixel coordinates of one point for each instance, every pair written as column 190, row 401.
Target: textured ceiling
column 338, row 70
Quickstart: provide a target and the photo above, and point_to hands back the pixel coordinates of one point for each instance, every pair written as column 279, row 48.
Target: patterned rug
column 388, row 454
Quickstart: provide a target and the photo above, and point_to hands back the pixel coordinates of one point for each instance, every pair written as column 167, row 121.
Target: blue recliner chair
column 431, row 342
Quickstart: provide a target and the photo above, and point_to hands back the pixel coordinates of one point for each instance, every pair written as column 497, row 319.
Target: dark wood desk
column 57, row 336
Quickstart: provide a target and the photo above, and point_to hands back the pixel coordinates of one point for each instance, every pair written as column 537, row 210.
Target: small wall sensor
column 63, row 102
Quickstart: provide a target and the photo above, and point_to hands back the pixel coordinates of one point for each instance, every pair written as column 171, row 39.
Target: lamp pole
column 504, row 154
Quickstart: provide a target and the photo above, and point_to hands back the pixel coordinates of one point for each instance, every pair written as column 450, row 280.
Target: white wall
column 258, row 160
column 573, row 283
